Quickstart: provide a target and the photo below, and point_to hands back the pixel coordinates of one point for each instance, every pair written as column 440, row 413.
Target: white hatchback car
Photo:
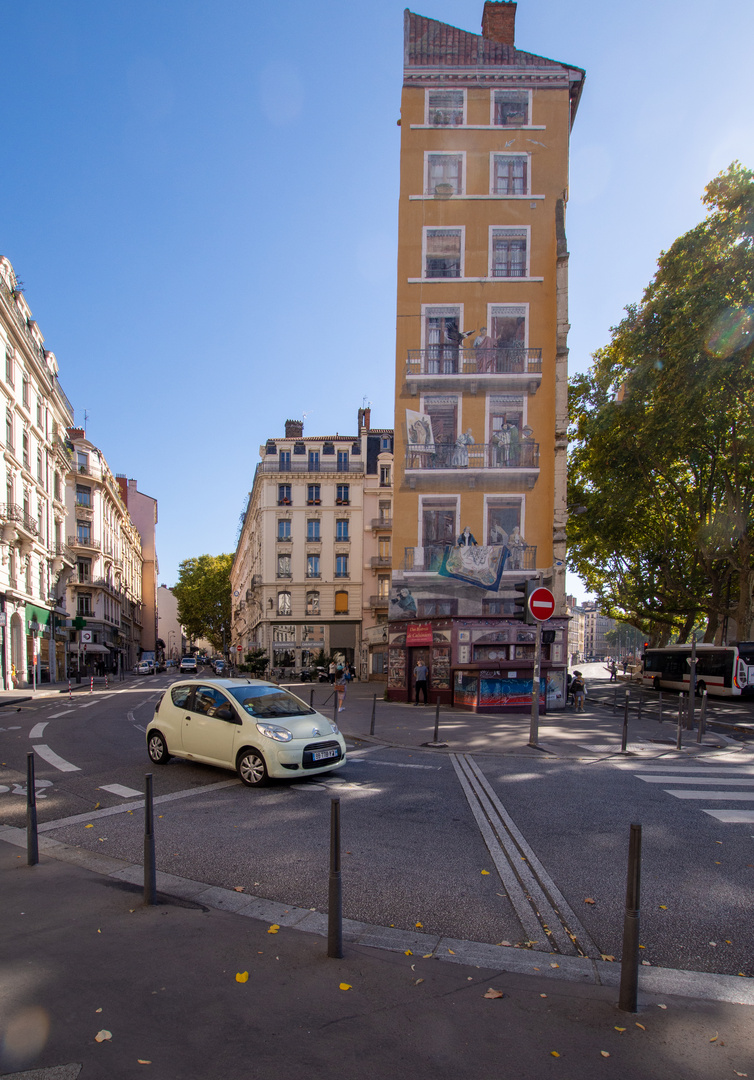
column 257, row 728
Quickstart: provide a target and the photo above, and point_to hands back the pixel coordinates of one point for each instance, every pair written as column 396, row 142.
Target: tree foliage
column 662, row 429
column 203, row 595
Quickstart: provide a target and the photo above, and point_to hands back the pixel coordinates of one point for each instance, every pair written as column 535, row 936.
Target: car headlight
column 272, row 731
column 334, row 727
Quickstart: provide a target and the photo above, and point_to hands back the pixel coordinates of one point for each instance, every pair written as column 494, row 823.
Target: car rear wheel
column 157, row 748
column 251, row 768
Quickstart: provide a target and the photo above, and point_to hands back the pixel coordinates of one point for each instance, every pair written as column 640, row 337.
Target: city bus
column 724, row 670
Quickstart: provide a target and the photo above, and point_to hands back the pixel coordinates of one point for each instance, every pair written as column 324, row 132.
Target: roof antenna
column 86, row 417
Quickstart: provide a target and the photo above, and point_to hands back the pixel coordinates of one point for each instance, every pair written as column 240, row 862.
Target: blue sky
column 201, row 199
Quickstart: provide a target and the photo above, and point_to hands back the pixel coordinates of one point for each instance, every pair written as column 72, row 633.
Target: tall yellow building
column 481, row 361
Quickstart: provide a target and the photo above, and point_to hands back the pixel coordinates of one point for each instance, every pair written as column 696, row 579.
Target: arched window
column 284, row 603
column 341, row 602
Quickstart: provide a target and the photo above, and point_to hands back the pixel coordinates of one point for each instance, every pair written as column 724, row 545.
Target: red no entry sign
column 542, row 604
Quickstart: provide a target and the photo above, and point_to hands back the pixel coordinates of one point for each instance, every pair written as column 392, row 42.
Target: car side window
column 207, row 700
column 181, row 695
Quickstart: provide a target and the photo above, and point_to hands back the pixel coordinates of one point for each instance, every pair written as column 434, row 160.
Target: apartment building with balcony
column 35, row 459
column 299, row 579
column 104, row 583
column 481, row 361
column 142, row 510
column 378, row 548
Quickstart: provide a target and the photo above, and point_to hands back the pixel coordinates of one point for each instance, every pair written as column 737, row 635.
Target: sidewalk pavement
column 93, row 983
column 55, row 689
column 561, row 732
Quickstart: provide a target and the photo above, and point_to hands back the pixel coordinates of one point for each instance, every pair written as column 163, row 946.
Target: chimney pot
column 294, row 429
column 499, row 21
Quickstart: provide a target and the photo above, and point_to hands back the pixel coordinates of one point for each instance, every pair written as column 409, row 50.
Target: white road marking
column 119, row 789
column 88, row 705
column 737, row 796
column 741, row 781
column 124, row 808
column 695, row 770
column 36, row 731
column 394, row 764
column 140, row 728
column 53, row 759
column 732, row 817
column 65, row 712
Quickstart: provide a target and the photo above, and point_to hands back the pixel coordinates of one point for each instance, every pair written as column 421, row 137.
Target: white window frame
column 439, row 90
column 494, row 309
column 445, row 153
column 511, row 496
column 437, row 496
column 459, row 411
column 526, row 229
column 512, row 154
column 516, row 90
column 443, row 228
column 427, row 309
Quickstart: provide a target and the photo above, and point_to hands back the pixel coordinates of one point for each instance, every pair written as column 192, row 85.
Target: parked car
column 256, row 728
column 219, row 667
column 143, row 668
column 188, row 663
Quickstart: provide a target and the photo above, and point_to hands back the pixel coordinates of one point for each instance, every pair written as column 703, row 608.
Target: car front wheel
column 251, row 768
column 157, row 748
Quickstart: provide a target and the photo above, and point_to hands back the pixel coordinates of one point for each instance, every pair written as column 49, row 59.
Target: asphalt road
column 428, row 838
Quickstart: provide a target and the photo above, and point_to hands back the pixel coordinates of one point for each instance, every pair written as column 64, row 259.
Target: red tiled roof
column 429, row 43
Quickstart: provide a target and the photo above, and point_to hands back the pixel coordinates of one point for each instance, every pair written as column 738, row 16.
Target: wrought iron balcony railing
column 440, row 455
column 20, row 517
column 453, row 360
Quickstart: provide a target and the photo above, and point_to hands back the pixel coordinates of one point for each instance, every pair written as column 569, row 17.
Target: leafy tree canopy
column 662, row 429
column 203, row 595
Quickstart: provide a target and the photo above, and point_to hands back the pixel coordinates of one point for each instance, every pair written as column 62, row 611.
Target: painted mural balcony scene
column 24, row 522
column 470, row 458
column 501, row 367
column 429, row 559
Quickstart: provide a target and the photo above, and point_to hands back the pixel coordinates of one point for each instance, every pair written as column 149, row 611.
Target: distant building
column 169, row 627
column 308, row 550
column 596, row 625
column 143, row 511
column 575, row 631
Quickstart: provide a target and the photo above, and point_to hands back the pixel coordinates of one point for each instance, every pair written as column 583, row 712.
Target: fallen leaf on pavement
column 273, row 929
column 238, row 888
column 554, row 1053
column 407, row 952
column 143, row 1061
column 606, row 956
column 739, row 1074
column 98, row 1010
column 344, row 986
column 417, row 981
column 662, row 1006
column 96, row 806
column 646, row 963
column 554, row 965
column 640, row 1026
column 604, row 1053
column 242, row 976
column 103, row 1036
column 589, row 900
column 420, row 926
column 504, row 943
column 714, row 1037
column 88, row 826
column 451, row 952
column 486, row 873
column 427, row 956
column 620, row 1029
column 492, row 993
column 663, row 907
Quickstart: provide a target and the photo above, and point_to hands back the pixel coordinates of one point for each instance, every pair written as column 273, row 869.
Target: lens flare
column 25, row 1037
column 731, row 331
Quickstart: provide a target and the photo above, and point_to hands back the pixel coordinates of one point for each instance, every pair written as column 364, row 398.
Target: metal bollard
column 679, row 734
column 311, row 697
column 335, row 888
column 150, row 869
column 624, row 735
column 32, row 839
column 702, row 718
column 91, row 685
column 629, row 964
column 374, row 710
column 437, row 722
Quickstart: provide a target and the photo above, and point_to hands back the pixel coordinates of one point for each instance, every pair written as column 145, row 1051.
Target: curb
column 692, row 984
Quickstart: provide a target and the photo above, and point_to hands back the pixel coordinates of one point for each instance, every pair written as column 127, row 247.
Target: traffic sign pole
column 534, row 725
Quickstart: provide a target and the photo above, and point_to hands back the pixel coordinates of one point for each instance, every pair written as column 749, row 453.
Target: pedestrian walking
column 340, row 687
column 612, row 667
column 332, row 671
column 420, row 678
column 578, row 689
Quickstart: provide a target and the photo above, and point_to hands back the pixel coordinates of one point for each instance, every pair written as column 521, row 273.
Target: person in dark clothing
column 420, row 677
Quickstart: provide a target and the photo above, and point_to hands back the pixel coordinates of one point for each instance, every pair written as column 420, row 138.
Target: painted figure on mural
column 419, row 433
column 484, row 351
column 460, row 457
column 405, row 601
column 498, row 535
column 517, row 546
column 466, row 538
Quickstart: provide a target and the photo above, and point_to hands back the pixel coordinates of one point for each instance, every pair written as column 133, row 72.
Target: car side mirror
column 226, row 713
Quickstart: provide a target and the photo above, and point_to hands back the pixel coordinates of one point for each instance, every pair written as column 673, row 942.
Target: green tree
column 203, row 595
column 256, row 662
column 663, row 436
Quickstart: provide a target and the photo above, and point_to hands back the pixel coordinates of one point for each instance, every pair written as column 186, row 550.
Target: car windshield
column 269, row 702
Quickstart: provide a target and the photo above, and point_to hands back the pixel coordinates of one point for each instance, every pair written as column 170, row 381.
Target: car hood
column 310, row 726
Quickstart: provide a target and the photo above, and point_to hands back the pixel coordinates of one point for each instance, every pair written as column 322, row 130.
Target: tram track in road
column 544, row 913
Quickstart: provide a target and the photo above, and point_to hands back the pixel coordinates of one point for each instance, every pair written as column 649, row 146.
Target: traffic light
column 521, row 605
column 548, row 637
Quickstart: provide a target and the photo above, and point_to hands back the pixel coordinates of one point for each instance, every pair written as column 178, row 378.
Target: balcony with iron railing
column 523, row 457
column 82, row 540
column 382, row 523
column 381, row 561
column 65, row 552
column 497, row 367
column 20, row 517
column 300, row 466
column 428, row 559
column 379, row 601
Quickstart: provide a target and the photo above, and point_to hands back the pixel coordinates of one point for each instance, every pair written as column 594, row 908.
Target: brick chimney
column 294, row 429
column 76, row 433
column 364, row 419
column 499, row 21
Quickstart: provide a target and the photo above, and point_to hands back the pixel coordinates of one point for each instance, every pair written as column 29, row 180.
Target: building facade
column 103, row 587
column 169, row 628
column 298, row 573
column 35, row 460
column 142, row 510
column 481, row 361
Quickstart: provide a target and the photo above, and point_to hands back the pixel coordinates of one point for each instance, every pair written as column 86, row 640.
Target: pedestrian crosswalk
column 721, row 780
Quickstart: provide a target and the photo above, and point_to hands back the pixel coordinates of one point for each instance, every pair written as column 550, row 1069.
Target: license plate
column 320, row 755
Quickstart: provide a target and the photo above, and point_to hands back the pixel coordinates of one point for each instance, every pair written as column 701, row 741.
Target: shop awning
column 88, row 648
